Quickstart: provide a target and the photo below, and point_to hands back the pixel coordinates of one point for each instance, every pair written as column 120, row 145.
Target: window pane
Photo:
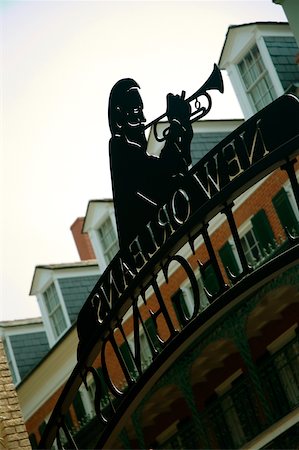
column 55, row 313
column 58, row 322
column 250, row 247
column 256, row 79
column 51, row 298
column 108, row 240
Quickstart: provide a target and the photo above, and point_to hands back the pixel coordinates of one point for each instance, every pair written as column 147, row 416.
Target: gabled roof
column 233, row 29
column 283, row 51
column 93, row 209
column 208, row 133
column 42, row 270
column 29, row 349
column 21, row 322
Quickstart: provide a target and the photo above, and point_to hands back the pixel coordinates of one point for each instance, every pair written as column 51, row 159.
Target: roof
column 202, row 143
column 29, row 349
column 75, row 291
column 207, row 134
column 21, row 322
column 40, row 269
column 91, row 209
column 86, row 263
column 244, row 25
column 283, row 51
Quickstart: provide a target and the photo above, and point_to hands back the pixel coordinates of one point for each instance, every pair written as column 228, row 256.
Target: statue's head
column 126, row 110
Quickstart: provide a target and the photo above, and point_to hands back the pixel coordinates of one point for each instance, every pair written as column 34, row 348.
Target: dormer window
column 108, row 240
column 55, row 312
column 256, row 79
column 61, row 290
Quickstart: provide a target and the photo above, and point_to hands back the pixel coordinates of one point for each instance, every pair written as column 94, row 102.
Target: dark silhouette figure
column 140, row 182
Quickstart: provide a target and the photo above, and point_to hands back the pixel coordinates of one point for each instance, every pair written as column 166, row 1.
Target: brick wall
column 13, row 432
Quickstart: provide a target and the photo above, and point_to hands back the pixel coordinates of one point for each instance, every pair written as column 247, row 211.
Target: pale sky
column 60, row 60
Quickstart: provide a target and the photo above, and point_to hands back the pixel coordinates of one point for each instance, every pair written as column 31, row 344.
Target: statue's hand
column 177, row 109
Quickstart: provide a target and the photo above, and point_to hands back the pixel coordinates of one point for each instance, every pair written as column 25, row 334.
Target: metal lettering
column 210, row 182
column 194, row 285
column 108, row 379
column 137, row 254
column 153, row 239
column 175, row 211
column 250, row 153
column 233, row 163
column 126, row 272
column 166, row 222
column 161, row 311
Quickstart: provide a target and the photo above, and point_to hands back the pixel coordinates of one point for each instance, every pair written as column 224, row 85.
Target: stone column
column 13, row 433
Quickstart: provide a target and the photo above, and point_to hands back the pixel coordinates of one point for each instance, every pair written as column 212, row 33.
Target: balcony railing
column 235, row 418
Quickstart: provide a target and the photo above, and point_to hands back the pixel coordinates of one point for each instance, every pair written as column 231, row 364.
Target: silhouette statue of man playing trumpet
column 140, row 182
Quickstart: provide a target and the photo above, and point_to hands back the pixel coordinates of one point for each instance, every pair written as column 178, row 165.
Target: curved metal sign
column 268, row 140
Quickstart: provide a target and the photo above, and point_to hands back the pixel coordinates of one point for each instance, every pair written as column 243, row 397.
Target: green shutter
column 210, row 280
column 285, row 211
column 228, row 259
column 102, row 380
column 125, row 351
column 42, row 427
column 262, row 229
column 79, row 407
column 33, row 441
column 151, row 329
column 180, row 307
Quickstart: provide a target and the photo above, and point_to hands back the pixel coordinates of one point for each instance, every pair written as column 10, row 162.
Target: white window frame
column 48, row 325
column 288, row 188
column 242, row 230
column 113, row 224
column 86, row 398
column 95, row 236
column 235, row 76
column 256, row 245
column 11, row 361
column 266, row 72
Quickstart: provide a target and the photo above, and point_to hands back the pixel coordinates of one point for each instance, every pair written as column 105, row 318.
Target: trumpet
column 214, row 81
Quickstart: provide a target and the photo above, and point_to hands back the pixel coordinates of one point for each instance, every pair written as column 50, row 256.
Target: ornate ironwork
column 267, row 141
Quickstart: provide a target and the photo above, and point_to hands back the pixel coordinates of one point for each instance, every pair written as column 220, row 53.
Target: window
column 256, row 79
column 257, row 240
column 54, row 310
column 108, row 240
column 251, row 247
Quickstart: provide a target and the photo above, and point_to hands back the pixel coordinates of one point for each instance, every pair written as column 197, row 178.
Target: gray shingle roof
column 29, row 349
column 283, row 50
column 202, row 143
column 75, row 291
